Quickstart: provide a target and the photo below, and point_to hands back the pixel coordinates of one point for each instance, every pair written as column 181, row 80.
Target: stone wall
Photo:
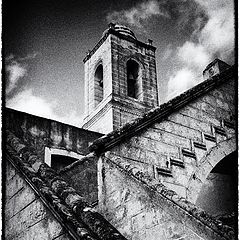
column 41, row 132
column 82, row 175
column 103, row 56
column 101, row 120
column 173, row 149
column 122, row 51
column 140, row 212
column 26, row 217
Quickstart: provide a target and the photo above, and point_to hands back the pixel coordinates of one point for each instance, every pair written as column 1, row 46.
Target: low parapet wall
column 40, row 132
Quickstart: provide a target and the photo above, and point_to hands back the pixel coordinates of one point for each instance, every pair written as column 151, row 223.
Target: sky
column 45, row 42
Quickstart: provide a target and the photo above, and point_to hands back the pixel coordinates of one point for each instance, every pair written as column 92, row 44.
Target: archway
column 134, row 88
column 218, row 194
column 98, row 84
column 206, row 165
column 213, row 186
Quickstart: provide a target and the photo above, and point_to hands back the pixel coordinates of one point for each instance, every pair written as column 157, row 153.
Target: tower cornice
column 121, row 36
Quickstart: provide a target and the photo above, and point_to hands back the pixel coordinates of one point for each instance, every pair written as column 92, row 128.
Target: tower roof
column 121, row 29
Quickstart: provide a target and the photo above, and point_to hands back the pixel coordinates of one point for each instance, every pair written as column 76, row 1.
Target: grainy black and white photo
column 119, row 120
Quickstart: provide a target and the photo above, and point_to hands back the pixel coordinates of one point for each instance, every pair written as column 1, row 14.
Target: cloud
column 187, row 14
column 15, row 71
column 29, row 56
column 181, row 81
column 214, row 39
column 193, row 55
column 217, row 36
column 17, row 68
column 26, row 101
column 137, row 15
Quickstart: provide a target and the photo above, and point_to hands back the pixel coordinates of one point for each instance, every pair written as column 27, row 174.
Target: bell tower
column 120, row 80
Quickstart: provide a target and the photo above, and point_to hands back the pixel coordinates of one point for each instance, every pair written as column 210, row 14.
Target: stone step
column 200, row 145
column 164, row 171
column 209, row 137
column 177, row 162
column 188, row 153
column 220, row 130
column 228, row 124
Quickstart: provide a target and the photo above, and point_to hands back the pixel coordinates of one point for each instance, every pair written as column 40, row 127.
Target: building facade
column 165, row 171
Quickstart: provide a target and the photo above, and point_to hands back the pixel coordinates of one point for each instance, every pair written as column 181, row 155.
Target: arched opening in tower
column 133, row 79
column 218, row 195
column 59, row 162
column 98, row 85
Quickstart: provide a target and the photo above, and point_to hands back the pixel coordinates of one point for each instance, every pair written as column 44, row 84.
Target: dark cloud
column 188, row 15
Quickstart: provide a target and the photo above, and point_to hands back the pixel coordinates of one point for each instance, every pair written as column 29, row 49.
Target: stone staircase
column 198, row 149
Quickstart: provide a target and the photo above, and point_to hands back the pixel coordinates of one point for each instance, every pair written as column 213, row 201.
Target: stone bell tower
column 120, row 80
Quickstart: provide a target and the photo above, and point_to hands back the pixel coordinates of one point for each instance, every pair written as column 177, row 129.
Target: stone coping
column 197, row 213
column 111, row 139
column 85, row 222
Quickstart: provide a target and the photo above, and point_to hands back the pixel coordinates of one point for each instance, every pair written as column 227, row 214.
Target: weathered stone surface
column 39, row 132
column 82, row 176
column 19, row 201
column 150, row 214
column 85, row 222
column 25, row 215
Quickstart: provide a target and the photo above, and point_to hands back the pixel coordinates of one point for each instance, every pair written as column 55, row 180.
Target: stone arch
column 135, row 57
column 206, row 164
column 134, row 79
column 98, row 83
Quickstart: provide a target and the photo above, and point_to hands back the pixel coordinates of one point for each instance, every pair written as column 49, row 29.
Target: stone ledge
column 177, row 162
column 209, row 137
column 220, row 131
column 228, row 124
column 200, row 145
column 164, row 171
column 188, row 153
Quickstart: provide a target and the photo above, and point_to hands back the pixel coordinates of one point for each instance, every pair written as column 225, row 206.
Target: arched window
column 133, row 79
column 98, row 85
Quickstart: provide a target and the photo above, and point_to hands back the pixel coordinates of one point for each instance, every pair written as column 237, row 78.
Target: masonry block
column 180, row 130
column 15, row 184
column 19, row 201
column 26, row 217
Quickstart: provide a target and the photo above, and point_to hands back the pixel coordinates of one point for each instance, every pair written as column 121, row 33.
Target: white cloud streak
column 26, row 101
column 180, row 82
column 16, row 71
column 17, row 68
